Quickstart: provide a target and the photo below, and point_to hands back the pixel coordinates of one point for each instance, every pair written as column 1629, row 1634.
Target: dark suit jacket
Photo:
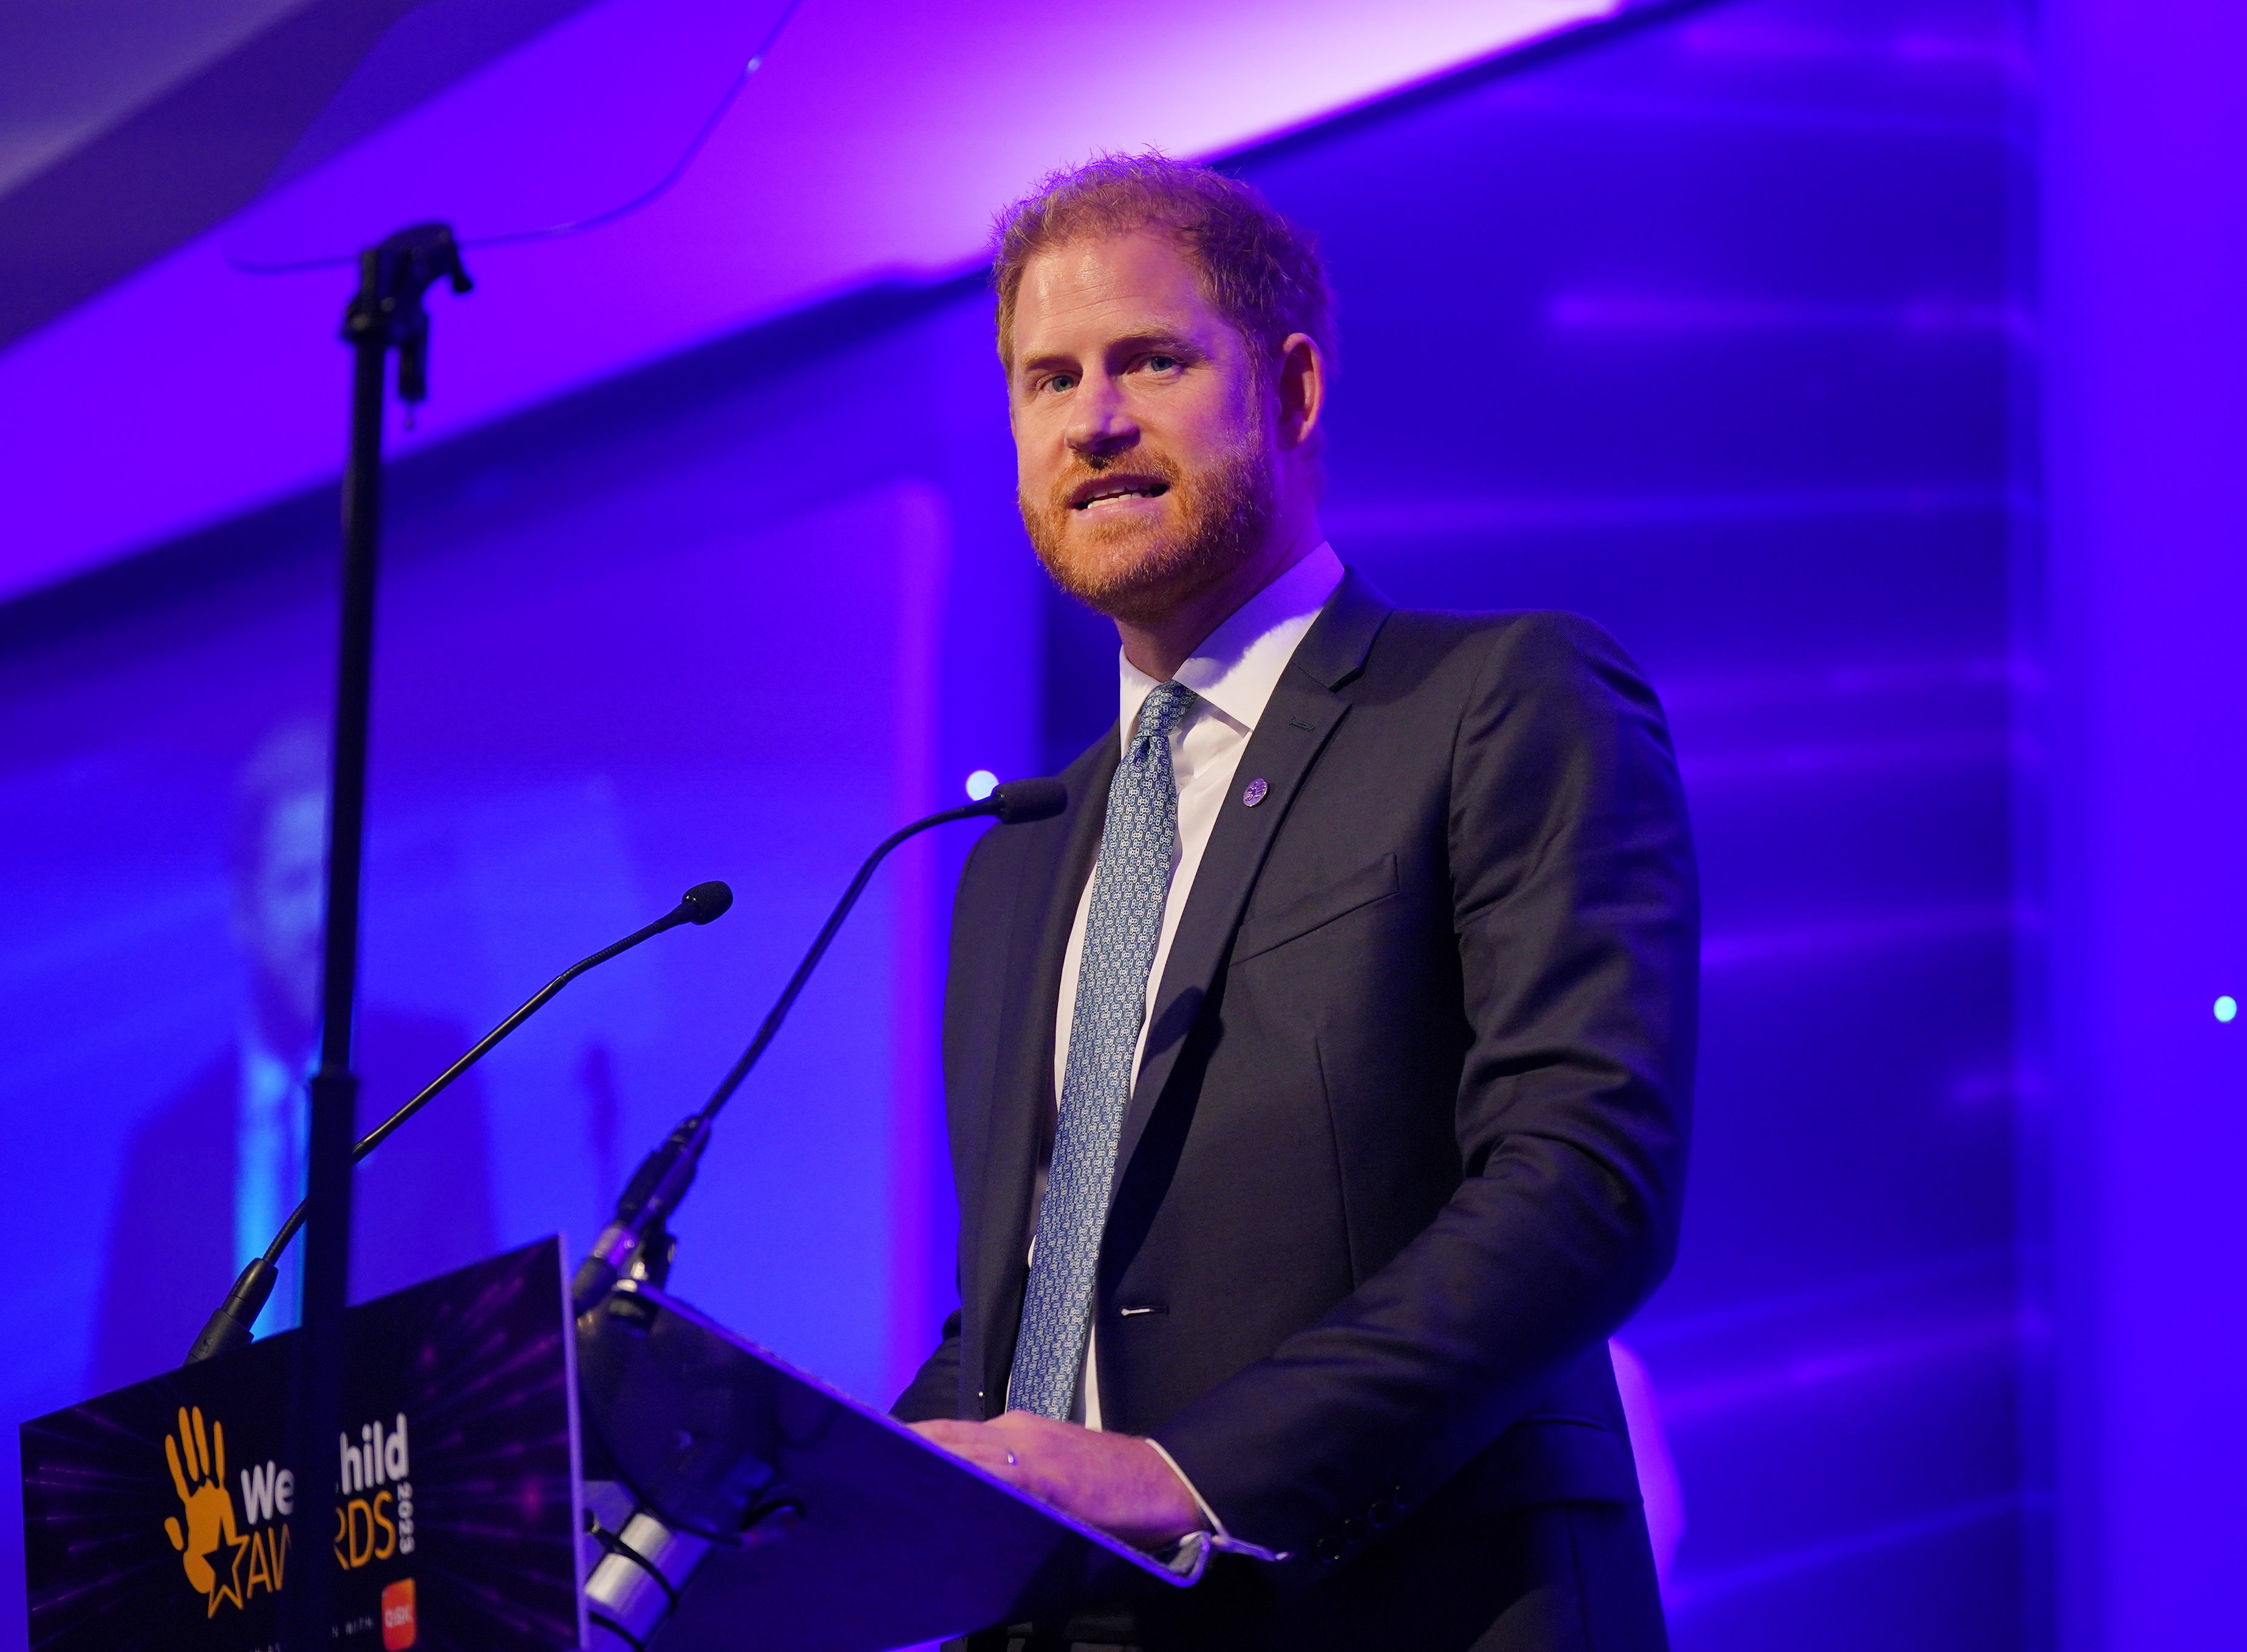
column 1408, row 1138
column 421, row 1203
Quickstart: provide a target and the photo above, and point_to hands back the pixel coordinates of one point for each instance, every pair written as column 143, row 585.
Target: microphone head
column 1027, row 800
column 706, row 901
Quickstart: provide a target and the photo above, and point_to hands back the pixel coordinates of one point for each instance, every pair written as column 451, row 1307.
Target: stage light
column 2226, row 1008
column 983, row 782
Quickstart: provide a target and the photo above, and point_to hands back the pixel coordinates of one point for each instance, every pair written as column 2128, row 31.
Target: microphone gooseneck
column 229, row 1327
column 665, row 1175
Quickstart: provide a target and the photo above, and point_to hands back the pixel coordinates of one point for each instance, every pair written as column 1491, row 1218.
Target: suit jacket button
column 1330, row 1550
column 1355, row 1531
column 1381, row 1514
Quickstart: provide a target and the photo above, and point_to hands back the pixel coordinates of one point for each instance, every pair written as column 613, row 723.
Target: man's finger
column 1032, row 1426
column 944, row 1430
column 976, row 1442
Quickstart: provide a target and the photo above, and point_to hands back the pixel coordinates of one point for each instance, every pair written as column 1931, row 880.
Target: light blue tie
column 1129, row 887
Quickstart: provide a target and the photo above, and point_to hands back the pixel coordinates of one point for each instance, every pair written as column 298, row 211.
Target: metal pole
column 386, row 311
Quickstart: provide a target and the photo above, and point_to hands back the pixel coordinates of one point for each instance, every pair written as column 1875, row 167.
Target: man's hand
column 1117, row 1481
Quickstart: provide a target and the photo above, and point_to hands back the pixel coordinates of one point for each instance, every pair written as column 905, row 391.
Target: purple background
column 1874, row 369
column 876, row 141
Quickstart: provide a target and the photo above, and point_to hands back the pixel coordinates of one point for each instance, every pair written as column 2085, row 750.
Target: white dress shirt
column 1232, row 674
column 270, row 1122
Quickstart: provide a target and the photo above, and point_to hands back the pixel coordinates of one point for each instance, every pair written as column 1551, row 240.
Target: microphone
column 665, row 1175
column 229, row 1328
column 1019, row 802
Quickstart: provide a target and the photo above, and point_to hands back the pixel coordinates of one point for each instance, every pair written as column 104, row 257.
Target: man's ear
column 1301, row 382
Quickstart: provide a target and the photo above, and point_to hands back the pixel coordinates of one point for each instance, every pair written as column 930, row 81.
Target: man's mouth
column 1108, row 489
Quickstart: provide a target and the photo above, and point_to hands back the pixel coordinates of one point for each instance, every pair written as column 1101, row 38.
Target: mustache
column 1155, row 466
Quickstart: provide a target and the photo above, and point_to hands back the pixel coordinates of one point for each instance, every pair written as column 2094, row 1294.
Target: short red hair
column 1262, row 273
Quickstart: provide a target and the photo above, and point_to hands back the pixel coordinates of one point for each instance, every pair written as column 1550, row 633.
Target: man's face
column 1142, row 439
column 279, row 909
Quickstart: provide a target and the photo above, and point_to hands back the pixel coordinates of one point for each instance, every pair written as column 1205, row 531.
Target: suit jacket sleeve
column 1576, row 917
column 934, row 1391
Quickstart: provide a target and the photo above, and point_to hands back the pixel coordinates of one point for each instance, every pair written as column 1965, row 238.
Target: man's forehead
column 1116, row 284
column 297, row 821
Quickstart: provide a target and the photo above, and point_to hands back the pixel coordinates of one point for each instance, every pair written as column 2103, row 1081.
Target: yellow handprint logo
column 208, row 1505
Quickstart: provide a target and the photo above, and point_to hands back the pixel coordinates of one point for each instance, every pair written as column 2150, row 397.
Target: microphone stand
column 229, row 1327
column 650, row 1556
column 385, row 314
column 637, row 1230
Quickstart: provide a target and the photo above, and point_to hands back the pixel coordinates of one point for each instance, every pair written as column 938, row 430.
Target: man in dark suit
column 212, row 1173
column 1318, row 1081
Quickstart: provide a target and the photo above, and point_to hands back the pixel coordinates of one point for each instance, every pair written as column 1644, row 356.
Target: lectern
column 508, row 1479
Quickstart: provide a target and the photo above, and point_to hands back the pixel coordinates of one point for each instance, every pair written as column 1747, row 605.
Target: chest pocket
column 1375, row 881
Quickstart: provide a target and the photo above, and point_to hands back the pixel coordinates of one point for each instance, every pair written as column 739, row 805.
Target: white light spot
column 2226, row 1008
column 981, row 784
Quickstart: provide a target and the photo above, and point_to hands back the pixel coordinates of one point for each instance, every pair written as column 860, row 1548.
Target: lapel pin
column 1255, row 794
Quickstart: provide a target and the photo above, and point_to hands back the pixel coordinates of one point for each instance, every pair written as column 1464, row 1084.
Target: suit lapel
column 1302, row 716
column 1053, row 876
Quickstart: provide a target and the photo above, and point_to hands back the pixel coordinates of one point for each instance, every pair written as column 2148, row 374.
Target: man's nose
column 1100, row 422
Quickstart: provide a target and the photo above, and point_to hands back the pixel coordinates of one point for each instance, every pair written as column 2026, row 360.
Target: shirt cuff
column 1201, row 1503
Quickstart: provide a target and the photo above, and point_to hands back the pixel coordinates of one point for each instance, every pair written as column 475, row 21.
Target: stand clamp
column 394, row 273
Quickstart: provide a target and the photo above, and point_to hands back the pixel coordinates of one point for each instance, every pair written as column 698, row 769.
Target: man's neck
column 1159, row 647
column 285, row 1037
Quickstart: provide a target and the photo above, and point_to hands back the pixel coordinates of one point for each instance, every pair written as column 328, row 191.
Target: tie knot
column 1164, row 709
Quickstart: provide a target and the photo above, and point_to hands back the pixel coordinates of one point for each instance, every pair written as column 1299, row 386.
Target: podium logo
column 206, row 1523
column 377, row 1526
column 206, row 1519
column 398, row 1625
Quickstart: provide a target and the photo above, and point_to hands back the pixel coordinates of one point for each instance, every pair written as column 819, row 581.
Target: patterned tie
column 1128, row 888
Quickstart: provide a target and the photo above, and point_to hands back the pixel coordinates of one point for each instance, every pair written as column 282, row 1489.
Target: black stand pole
column 385, row 313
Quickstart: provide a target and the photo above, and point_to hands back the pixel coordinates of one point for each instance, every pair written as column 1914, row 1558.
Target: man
column 1317, row 1081
column 211, row 1176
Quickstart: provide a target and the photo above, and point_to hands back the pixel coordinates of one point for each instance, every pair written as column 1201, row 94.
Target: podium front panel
column 167, row 1514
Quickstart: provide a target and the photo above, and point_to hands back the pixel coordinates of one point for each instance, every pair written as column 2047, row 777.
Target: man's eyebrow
column 1155, row 338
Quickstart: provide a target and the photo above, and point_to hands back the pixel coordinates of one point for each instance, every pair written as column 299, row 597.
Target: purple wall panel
column 2146, row 262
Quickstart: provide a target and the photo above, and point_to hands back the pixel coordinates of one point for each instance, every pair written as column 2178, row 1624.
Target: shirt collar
column 259, row 1057
column 1237, row 666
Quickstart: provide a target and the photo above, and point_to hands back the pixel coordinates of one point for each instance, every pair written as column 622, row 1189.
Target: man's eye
column 1161, row 364
column 1061, row 381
